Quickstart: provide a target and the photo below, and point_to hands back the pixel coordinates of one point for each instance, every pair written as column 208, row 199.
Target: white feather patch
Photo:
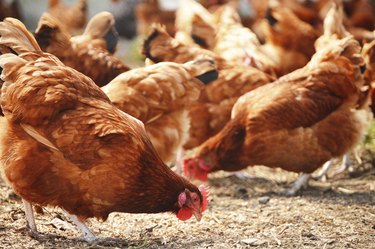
column 37, row 136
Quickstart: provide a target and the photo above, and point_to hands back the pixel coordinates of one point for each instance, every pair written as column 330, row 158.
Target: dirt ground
column 249, row 213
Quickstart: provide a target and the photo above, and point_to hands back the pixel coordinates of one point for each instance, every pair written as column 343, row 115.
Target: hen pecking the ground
column 66, row 145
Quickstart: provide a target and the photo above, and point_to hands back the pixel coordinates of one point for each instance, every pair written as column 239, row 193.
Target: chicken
column 159, row 95
column 72, row 17
column 89, row 53
column 212, row 111
column 333, row 29
column 297, row 123
column 239, row 44
column 288, row 40
column 72, row 148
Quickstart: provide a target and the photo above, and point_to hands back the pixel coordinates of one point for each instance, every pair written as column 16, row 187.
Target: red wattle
column 184, row 213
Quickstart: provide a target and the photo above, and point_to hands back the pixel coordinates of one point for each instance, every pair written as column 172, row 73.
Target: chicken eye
column 195, row 198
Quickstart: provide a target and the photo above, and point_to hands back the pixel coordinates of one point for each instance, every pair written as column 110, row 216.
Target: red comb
column 205, row 192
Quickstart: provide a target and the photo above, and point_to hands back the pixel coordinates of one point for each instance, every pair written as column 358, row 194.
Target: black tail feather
column 208, row 77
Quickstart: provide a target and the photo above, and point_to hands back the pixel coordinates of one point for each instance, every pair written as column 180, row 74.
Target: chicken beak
column 197, row 214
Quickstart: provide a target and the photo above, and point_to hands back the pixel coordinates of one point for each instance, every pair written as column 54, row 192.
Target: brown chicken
column 72, row 17
column 333, row 30
column 289, row 41
column 212, row 111
column 89, row 53
column 72, row 148
column 159, row 95
column 297, row 123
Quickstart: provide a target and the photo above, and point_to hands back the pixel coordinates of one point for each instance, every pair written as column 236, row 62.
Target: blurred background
column 133, row 17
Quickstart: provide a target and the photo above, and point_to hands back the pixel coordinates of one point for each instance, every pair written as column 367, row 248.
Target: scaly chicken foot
column 301, row 181
column 30, row 221
column 88, row 236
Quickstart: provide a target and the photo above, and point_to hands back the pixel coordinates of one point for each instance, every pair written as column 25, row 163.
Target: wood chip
column 264, row 199
column 253, row 242
column 61, row 225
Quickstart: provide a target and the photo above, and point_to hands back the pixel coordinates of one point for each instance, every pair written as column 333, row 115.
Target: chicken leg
column 30, row 221
column 345, row 165
column 323, row 172
column 301, row 181
column 88, row 236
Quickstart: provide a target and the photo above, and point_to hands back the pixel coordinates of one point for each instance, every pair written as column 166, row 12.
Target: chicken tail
column 203, row 69
column 333, row 26
column 203, row 33
column 157, row 32
column 347, row 47
column 102, row 26
column 333, row 23
column 16, row 38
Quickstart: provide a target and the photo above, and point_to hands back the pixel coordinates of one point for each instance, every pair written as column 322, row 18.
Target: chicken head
column 191, row 203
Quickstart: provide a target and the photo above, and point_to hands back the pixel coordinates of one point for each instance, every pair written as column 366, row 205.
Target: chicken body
column 90, row 53
column 297, row 123
column 67, row 145
column 159, row 95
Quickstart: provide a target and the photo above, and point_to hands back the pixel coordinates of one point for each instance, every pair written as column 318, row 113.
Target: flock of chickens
column 84, row 132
